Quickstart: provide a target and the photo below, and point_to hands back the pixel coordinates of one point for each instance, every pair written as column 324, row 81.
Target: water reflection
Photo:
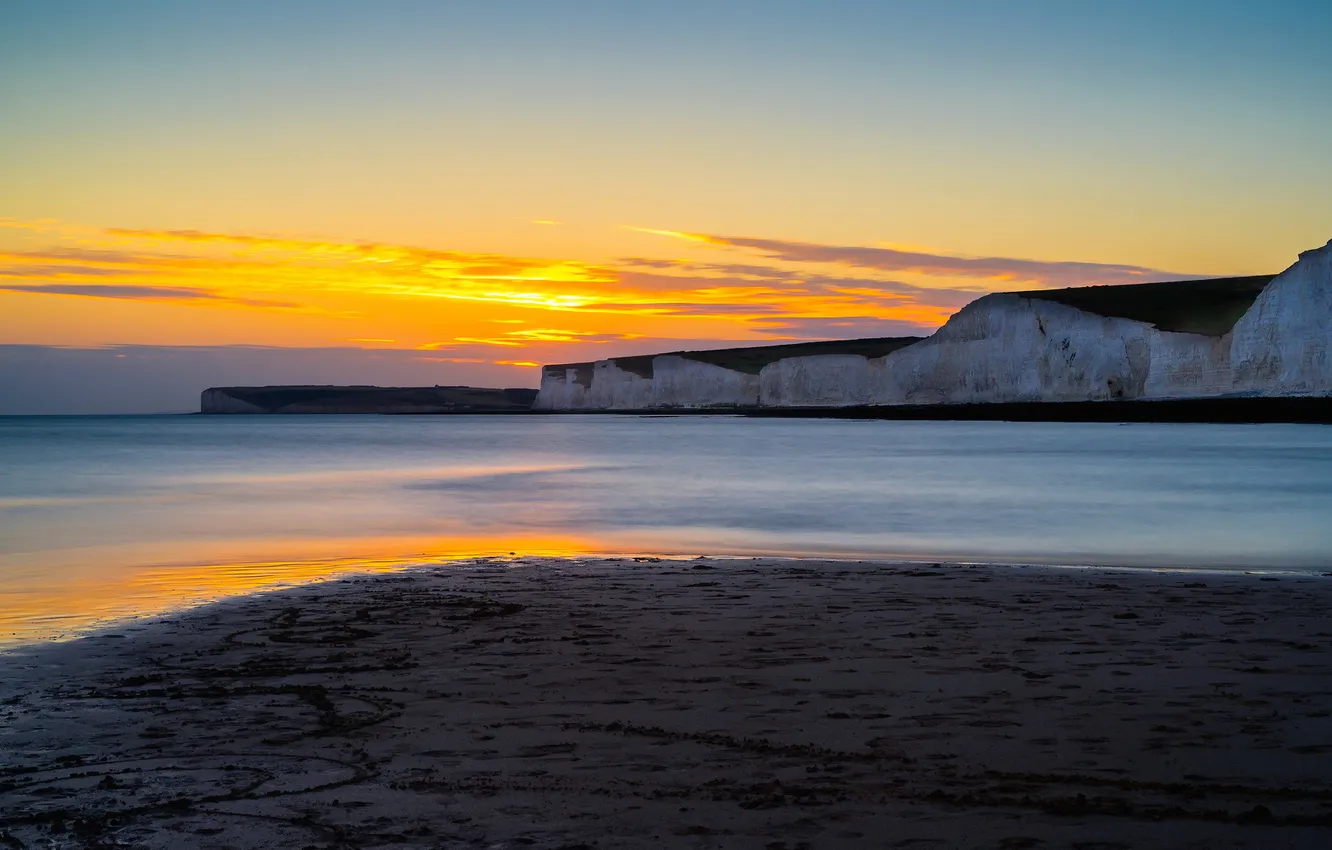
column 104, row 516
column 117, row 584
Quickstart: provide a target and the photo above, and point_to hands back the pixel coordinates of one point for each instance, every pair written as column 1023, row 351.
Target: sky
column 201, row 193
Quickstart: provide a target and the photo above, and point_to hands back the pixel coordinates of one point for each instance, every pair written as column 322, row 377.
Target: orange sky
column 69, row 284
column 485, row 184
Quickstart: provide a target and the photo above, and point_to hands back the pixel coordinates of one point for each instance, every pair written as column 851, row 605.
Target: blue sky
column 1185, row 137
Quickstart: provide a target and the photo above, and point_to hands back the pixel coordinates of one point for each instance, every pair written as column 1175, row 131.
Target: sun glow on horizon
column 412, row 178
column 326, row 287
column 120, row 285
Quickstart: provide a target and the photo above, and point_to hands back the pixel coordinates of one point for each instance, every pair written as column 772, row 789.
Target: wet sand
column 642, row 703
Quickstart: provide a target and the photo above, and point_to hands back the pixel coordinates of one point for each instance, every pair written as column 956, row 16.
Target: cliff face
column 1280, row 346
column 1008, row 348
column 1194, row 339
column 827, row 380
column 689, row 379
column 675, row 382
column 220, row 400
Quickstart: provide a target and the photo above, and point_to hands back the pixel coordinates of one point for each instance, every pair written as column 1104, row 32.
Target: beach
column 642, row 702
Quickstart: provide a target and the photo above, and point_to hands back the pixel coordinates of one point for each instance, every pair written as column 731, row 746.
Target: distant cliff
column 729, row 377
column 320, row 399
column 1251, row 336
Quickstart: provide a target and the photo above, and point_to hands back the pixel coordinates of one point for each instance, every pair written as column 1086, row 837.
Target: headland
column 1243, row 349
column 364, row 399
column 1260, row 337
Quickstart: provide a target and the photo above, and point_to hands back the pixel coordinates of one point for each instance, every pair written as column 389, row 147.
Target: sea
column 107, row 519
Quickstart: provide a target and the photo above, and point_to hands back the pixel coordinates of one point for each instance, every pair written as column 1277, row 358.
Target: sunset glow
column 119, row 589
column 329, row 290
column 665, row 423
column 458, row 190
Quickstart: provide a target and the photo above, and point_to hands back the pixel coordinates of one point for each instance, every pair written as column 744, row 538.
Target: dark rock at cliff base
column 362, row 399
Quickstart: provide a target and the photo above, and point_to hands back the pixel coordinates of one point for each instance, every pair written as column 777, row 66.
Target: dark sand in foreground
column 749, row 704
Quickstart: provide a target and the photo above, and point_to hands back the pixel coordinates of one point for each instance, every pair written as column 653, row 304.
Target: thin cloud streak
column 139, row 293
column 791, row 291
column 848, row 327
column 225, row 267
column 1006, row 269
column 55, row 270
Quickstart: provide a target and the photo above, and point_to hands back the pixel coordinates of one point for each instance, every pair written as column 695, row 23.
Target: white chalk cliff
column 1011, row 347
column 1279, row 347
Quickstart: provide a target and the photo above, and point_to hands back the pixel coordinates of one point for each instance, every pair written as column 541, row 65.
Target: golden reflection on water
column 52, row 600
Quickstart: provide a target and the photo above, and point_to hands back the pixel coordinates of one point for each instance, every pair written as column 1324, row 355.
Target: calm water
column 103, row 517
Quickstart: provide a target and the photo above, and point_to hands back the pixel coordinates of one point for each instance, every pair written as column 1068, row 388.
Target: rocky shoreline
column 1296, row 409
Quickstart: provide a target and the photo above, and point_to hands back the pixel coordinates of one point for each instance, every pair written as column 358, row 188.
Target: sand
column 642, row 703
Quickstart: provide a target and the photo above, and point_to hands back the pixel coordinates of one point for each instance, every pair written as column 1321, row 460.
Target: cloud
column 66, row 253
column 138, row 293
column 533, row 335
column 695, row 308
column 1009, row 270
column 445, row 264
column 847, row 327
column 512, row 343
column 213, row 263
column 674, row 234
column 39, row 225
column 61, row 270
column 782, row 282
column 651, row 282
column 453, row 360
column 93, row 290
column 782, row 287
column 237, row 239
column 555, row 335
column 693, row 267
column 811, row 296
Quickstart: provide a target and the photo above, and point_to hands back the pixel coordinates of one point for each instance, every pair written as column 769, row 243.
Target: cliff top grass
column 751, row 360
column 1210, row 307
